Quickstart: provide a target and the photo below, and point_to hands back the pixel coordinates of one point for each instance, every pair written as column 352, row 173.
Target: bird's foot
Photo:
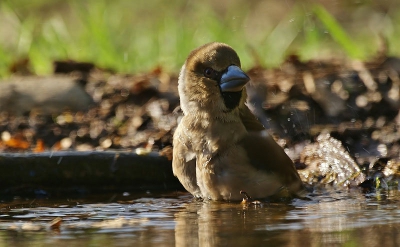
column 247, row 198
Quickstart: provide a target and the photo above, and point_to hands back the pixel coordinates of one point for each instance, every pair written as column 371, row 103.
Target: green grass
column 136, row 36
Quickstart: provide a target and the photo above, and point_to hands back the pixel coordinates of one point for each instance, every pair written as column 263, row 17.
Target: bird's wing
column 184, row 166
column 266, row 155
column 249, row 120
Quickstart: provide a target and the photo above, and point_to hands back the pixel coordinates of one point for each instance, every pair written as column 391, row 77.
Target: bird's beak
column 233, row 80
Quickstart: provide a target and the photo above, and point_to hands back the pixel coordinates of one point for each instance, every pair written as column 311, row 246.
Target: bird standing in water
column 220, row 148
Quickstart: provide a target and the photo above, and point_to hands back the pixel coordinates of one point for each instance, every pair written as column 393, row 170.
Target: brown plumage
column 220, row 148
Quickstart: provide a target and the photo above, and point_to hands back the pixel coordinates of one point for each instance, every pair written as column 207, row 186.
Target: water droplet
column 382, row 149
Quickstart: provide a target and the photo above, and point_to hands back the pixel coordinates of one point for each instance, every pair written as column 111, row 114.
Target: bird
column 220, row 149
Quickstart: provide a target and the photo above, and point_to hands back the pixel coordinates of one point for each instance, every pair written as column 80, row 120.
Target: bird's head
column 211, row 78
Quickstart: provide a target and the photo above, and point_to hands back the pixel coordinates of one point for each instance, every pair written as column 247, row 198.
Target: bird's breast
column 212, row 137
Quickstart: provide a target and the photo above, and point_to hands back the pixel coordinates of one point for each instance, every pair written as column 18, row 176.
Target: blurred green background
column 136, row 36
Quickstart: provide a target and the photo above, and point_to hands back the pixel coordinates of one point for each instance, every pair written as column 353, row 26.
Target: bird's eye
column 209, row 72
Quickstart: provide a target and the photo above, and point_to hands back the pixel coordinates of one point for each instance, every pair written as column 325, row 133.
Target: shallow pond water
column 328, row 218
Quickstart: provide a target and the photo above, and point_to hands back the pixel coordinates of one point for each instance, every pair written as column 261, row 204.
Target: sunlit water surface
column 328, row 218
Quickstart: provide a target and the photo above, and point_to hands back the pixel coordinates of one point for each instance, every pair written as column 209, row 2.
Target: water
column 329, row 218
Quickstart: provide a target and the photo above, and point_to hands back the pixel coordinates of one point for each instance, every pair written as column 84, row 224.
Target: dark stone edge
column 75, row 172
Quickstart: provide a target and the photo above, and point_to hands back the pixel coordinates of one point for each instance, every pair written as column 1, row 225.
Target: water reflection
column 216, row 224
column 334, row 219
column 328, row 218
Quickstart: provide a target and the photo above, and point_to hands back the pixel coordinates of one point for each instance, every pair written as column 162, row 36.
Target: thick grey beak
column 233, row 80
